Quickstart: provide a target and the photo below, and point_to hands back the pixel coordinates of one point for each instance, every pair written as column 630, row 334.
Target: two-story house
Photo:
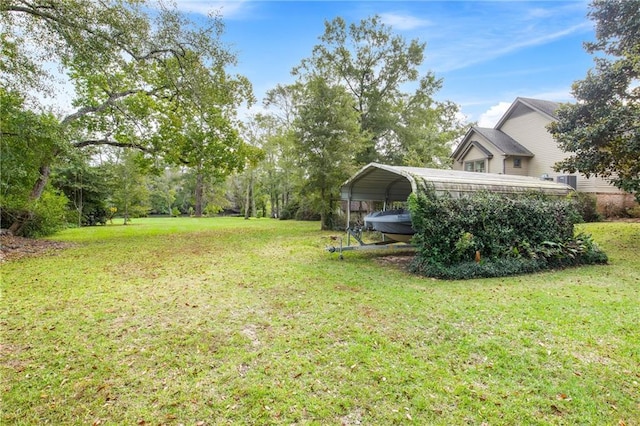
column 520, row 144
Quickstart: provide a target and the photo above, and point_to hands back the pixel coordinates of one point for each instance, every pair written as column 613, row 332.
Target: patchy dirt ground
column 12, row 248
column 402, row 261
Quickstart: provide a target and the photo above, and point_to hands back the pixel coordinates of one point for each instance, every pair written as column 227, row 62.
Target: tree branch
column 111, row 100
column 109, row 142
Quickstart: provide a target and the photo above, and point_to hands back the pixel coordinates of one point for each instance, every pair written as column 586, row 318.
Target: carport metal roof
column 379, row 182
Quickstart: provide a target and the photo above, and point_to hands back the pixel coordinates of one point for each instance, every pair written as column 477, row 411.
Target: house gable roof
column 546, row 108
column 503, row 143
column 467, row 147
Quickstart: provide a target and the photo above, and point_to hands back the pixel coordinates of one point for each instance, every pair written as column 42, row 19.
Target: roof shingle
column 503, row 142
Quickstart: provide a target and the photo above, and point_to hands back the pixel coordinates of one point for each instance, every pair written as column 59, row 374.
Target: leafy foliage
column 29, row 139
column 48, row 215
column 504, row 235
column 373, row 64
column 88, row 188
column 586, row 204
column 138, row 74
column 326, row 135
column 602, row 130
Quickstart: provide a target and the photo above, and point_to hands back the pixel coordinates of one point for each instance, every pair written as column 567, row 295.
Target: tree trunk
column 247, row 204
column 199, row 192
column 254, row 211
column 17, row 226
column 324, row 213
column 274, row 204
column 79, row 202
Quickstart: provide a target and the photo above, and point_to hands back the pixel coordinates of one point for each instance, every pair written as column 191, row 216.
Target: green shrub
column 512, row 235
column 288, row 212
column 49, row 215
column 298, row 211
column 486, row 269
column 586, row 206
column 633, row 212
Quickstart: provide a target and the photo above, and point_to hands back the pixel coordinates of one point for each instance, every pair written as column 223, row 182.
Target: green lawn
column 227, row 321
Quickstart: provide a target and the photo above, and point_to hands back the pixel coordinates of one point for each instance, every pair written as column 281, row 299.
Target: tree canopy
column 147, row 79
column 376, row 66
column 327, row 134
column 133, row 65
column 602, row 130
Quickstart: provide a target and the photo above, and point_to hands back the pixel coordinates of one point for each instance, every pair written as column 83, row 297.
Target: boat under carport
column 389, row 184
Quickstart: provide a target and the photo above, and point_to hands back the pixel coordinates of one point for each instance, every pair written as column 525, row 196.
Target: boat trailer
column 356, row 233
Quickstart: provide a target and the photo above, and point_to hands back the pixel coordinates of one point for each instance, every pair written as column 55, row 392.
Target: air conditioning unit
column 570, row 180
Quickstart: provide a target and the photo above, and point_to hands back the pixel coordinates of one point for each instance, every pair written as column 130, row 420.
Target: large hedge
column 488, row 234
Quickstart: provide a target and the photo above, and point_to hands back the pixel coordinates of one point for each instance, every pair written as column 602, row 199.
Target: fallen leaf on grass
column 563, row 397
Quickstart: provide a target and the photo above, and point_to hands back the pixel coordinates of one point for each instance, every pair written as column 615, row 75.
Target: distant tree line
column 155, row 126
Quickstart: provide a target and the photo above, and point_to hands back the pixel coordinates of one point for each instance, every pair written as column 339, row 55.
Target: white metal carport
column 379, row 182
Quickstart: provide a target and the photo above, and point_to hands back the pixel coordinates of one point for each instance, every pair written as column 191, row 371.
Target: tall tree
column 285, row 179
column 127, row 66
column 203, row 130
column 326, row 133
column 131, row 195
column 163, row 191
column 29, row 142
column 602, row 130
column 374, row 64
column 87, row 186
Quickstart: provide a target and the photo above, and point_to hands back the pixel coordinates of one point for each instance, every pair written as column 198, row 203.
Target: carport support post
column 348, row 220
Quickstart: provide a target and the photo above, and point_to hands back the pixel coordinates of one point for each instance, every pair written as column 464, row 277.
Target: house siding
column 529, row 129
column 523, row 170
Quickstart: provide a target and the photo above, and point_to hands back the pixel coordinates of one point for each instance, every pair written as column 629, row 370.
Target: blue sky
column 487, row 53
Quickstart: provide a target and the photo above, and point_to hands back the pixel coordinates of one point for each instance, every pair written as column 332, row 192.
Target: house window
column 474, row 166
column 517, row 163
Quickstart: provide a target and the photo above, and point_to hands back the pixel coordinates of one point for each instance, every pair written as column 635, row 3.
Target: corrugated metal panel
column 379, row 182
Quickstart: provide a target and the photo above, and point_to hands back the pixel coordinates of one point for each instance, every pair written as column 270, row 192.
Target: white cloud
column 482, row 47
column 482, row 32
column 544, row 39
column 228, row 9
column 403, row 22
column 490, row 117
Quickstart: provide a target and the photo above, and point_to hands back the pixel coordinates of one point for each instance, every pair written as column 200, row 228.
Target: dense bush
column 586, row 206
column 489, row 234
column 48, row 214
column 298, row 211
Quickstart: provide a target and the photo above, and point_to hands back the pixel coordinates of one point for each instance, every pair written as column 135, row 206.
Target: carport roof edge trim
column 381, row 182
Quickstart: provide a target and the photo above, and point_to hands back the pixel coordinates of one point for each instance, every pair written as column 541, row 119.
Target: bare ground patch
column 13, row 248
column 400, row 261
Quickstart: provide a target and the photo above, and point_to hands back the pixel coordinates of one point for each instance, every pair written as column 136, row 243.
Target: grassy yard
column 225, row 321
